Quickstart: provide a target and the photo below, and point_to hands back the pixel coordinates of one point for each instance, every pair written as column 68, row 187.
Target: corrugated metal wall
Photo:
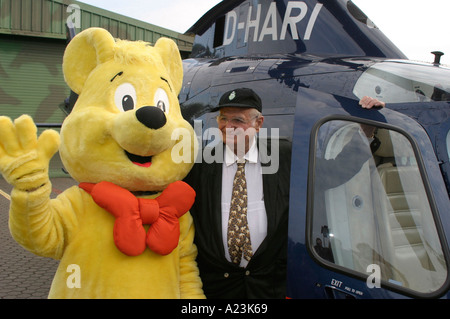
column 33, row 17
column 47, row 18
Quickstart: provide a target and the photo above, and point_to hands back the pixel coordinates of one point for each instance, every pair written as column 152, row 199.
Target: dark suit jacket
column 265, row 275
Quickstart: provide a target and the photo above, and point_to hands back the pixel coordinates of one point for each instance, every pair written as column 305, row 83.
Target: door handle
column 336, row 293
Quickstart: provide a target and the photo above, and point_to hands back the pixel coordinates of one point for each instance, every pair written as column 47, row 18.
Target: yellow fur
column 94, row 138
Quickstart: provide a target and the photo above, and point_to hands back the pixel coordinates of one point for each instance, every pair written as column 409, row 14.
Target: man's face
column 238, row 127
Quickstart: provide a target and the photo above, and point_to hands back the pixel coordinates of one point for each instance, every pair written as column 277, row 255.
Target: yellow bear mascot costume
column 125, row 228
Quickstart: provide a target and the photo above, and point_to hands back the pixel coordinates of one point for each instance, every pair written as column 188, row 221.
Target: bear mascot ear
column 85, row 51
column 170, row 55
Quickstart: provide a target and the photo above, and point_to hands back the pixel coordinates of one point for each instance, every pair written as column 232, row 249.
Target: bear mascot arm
column 24, row 161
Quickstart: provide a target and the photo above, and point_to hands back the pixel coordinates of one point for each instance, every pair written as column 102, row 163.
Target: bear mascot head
column 125, row 230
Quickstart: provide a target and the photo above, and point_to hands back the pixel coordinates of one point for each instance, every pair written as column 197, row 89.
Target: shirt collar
column 251, row 156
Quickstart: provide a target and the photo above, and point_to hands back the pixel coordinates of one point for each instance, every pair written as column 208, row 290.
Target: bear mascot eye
column 125, row 97
column 162, row 100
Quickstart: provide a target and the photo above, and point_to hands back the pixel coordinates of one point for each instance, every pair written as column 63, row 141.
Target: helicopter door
column 374, row 207
column 372, row 226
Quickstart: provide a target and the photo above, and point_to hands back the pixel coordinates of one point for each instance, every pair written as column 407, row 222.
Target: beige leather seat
column 410, row 251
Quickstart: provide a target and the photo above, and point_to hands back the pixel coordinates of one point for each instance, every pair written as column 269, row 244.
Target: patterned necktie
column 238, row 232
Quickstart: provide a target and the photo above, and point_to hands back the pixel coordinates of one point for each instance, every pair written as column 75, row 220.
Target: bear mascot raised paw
column 125, row 228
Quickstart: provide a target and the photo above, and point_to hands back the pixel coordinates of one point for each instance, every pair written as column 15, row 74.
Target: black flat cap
column 243, row 97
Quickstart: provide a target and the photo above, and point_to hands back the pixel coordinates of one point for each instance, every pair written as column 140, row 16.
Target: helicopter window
column 396, row 82
column 219, row 32
column 371, row 208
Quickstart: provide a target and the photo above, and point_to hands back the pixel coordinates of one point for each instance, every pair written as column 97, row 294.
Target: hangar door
column 31, row 78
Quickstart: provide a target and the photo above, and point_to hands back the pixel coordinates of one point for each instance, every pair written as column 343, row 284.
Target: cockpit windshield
column 403, row 82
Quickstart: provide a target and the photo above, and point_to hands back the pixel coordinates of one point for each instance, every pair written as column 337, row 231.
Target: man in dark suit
column 261, row 273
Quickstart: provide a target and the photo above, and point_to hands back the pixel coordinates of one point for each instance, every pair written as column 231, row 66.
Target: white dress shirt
column 256, row 212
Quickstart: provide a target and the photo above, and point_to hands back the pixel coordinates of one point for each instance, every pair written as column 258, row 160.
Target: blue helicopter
column 359, row 227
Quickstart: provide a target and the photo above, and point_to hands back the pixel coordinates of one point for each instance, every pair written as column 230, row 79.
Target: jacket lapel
column 270, row 187
column 214, row 185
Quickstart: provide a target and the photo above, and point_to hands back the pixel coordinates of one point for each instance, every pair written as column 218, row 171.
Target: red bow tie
column 132, row 213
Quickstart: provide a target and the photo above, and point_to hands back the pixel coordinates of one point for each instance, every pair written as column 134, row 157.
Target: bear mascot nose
column 151, row 116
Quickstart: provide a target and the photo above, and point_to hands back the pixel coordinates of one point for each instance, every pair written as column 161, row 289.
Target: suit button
column 226, row 275
column 247, row 273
